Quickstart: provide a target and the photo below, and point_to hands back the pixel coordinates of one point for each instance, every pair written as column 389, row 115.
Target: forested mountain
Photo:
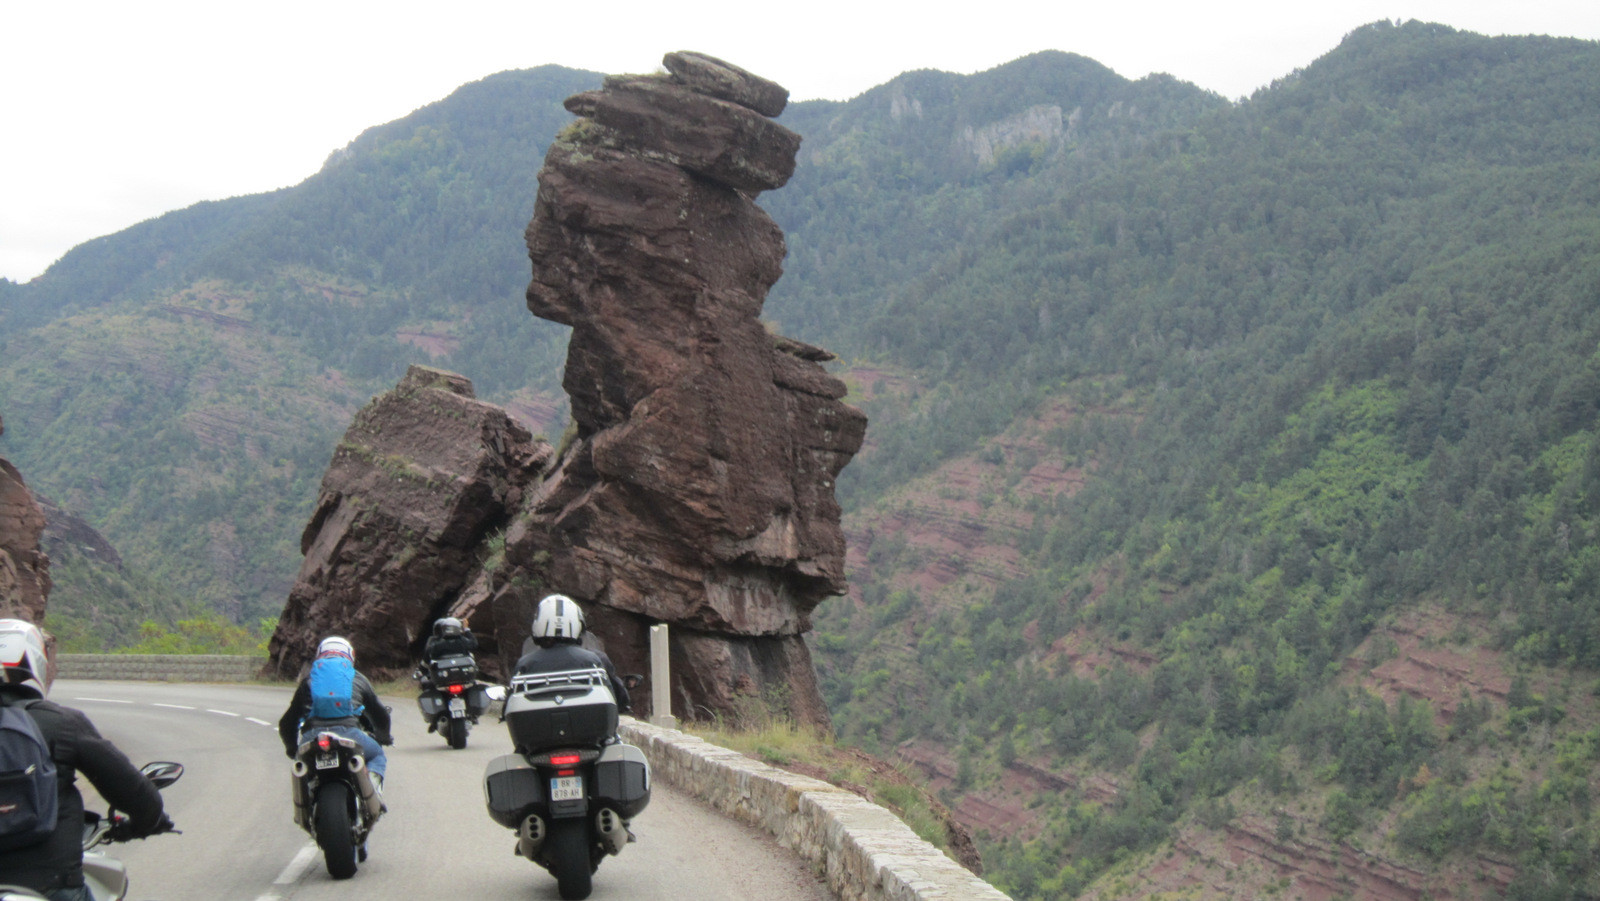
column 1205, row 435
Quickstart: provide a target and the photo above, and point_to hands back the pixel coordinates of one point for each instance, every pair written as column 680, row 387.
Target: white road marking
column 292, row 873
column 221, row 712
column 173, row 706
column 104, row 700
column 258, row 722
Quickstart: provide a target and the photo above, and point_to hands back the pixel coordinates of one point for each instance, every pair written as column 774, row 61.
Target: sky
column 115, row 112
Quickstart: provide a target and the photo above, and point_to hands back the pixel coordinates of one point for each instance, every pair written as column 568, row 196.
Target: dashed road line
column 104, row 700
column 173, row 706
column 292, row 873
column 221, row 712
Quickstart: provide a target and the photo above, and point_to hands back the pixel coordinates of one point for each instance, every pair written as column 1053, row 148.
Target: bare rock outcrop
column 24, row 567
column 424, row 475
column 698, row 489
column 696, row 486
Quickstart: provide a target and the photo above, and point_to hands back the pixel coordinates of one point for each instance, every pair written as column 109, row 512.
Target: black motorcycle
column 451, row 699
column 571, row 787
column 334, row 799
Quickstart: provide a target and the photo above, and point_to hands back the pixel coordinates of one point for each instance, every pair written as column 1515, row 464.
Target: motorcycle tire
column 567, row 849
column 335, row 836
column 457, row 733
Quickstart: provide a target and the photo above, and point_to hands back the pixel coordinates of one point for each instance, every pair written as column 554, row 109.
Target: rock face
column 422, row 478
column 698, row 489
column 695, row 487
column 24, row 568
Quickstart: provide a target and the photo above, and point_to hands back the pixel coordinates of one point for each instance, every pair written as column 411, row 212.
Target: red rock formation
column 697, row 486
column 698, row 490
column 24, row 568
column 422, row 477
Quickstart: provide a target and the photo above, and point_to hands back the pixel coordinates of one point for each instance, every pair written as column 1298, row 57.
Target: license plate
column 566, row 788
column 458, row 707
column 327, row 761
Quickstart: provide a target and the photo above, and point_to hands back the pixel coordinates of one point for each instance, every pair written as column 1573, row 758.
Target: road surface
column 239, row 840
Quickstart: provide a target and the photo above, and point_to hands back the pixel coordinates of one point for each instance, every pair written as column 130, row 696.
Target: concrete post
column 660, row 680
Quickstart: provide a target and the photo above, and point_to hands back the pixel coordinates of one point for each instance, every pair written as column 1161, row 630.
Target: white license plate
column 458, row 707
column 327, row 761
column 566, row 788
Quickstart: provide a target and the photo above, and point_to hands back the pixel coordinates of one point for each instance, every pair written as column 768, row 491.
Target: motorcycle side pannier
column 566, row 709
column 510, row 787
column 622, row 780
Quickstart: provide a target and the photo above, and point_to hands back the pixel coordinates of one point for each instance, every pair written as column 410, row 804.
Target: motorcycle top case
column 565, row 709
column 622, row 780
column 454, row 670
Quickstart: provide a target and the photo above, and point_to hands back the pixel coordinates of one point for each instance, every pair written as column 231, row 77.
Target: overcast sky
column 115, row 112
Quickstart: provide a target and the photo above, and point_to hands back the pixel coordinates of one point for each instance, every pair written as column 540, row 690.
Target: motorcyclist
column 558, row 633
column 54, row 867
column 370, row 713
column 449, row 639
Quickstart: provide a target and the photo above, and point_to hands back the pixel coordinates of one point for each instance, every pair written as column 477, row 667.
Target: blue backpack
column 27, row 780
column 333, row 687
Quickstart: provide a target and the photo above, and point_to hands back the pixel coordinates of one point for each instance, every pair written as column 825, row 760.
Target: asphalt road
column 239, row 840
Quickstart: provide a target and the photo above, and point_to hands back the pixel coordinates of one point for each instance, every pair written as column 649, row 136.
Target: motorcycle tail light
column 566, row 772
column 565, row 760
column 324, row 742
column 457, row 689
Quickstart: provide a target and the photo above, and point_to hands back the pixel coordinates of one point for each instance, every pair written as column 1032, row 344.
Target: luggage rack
column 577, row 681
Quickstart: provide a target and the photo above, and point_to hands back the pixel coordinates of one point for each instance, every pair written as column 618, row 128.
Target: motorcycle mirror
column 162, row 772
column 632, row 681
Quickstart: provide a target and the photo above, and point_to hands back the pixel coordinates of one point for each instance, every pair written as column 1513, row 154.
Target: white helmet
column 446, row 626
column 558, row 618
column 22, row 656
column 333, row 644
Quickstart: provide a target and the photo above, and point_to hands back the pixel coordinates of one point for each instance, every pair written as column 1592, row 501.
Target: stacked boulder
column 698, row 489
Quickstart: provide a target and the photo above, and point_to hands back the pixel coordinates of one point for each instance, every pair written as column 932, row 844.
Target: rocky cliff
column 24, row 568
column 695, row 486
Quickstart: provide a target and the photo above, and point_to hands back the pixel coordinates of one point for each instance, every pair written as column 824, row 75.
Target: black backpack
column 27, row 780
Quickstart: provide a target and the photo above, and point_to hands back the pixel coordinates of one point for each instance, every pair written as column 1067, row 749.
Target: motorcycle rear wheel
column 334, row 834
column 567, row 849
column 457, row 734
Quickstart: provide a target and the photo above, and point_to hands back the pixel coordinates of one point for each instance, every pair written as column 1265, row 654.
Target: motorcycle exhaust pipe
column 530, row 837
column 371, row 804
column 299, row 769
column 613, row 830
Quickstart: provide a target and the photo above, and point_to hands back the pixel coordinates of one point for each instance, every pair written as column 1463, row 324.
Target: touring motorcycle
column 571, row 787
column 451, row 699
column 106, row 877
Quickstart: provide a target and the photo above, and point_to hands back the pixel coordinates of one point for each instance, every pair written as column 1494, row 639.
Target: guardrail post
column 660, row 680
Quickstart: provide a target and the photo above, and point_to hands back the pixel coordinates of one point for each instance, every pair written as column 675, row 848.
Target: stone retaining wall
column 865, row 852
column 159, row 667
